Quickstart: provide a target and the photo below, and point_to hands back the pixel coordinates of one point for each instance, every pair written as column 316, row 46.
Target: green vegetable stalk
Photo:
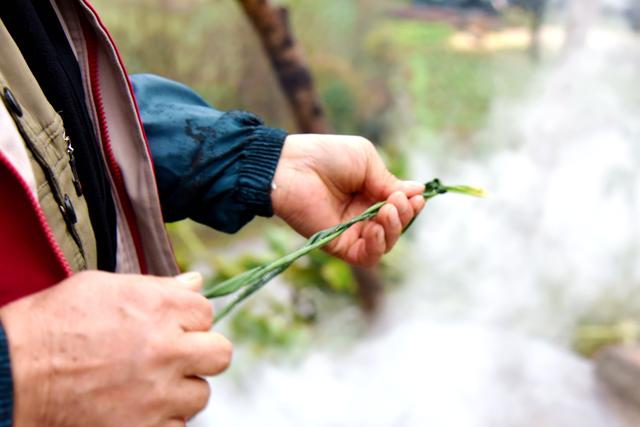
column 252, row 280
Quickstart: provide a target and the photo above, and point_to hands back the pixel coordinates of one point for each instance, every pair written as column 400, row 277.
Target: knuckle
column 336, row 247
column 356, row 141
column 366, row 144
column 205, row 310
column 404, row 207
column 160, row 350
column 363, row 140
column 198, row 315
column 155, row 349
column 397, row 198
column 90, row 278
column 165, row 299
column 83, row 275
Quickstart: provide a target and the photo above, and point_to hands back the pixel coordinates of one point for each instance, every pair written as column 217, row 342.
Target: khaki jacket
column 51, row 235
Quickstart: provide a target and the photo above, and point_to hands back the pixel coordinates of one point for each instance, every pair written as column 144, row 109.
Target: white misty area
column 479, row 336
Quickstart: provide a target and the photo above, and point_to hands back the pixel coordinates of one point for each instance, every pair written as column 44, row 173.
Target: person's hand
column 323, row 180
column 112, row 350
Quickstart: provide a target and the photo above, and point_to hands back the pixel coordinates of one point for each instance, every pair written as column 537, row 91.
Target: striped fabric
column 6, row 383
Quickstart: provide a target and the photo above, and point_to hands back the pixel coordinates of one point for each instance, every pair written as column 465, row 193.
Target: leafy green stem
column 253, row 280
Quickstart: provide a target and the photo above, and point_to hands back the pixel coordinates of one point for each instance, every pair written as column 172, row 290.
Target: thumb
column 191, row 280
column 411, row 188
column 383, row 183
column 380, row 183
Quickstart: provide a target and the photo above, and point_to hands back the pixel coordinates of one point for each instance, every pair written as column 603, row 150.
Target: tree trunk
column 581, row 16
column 538, row 10
column 272, row 25
column 619, row 367
column 273, row 28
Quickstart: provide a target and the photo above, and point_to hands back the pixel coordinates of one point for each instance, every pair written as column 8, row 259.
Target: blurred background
column 522, row 309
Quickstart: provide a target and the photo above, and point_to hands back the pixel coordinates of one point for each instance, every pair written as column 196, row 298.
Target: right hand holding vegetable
column 324, row 180
column 102, row 349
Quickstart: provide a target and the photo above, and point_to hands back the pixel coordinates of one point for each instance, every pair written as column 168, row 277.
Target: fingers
column 191, row 396
column 191, row 281
column 417, row 203
column 205, row 353
column 367, row 250
column 390, row 220
column 412, row 188
column 195, row 312
column 396, row 215
column 375, row 244
column 380, row 183
column 404, row 208
column 376, row 237
column 196, row 315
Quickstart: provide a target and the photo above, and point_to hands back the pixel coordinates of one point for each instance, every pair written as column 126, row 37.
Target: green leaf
column 337, row 274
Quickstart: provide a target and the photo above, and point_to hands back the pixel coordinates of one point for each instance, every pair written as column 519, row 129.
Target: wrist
column 277, row 191
column 30, row 364
column 281, row 178
column 261, row 158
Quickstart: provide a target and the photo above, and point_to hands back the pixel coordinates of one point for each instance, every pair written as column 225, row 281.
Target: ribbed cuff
column 259, row 164
column 6, row 382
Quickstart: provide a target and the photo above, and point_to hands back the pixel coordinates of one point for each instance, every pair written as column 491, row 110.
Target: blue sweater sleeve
column 213, row 167
column 6, row 383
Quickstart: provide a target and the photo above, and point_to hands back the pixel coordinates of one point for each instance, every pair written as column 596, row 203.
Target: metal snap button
column 12, row 102
column 69, row 210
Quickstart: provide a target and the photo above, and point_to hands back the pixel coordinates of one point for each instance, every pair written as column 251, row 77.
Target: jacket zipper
column 44, row 225
column 72, row 163
column 63, row 201
column 114, row 168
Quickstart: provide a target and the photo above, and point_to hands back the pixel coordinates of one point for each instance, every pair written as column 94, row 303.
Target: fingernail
column 413, row 186
column 190, row 278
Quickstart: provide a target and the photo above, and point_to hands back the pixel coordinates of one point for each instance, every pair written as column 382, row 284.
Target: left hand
column 323, row 180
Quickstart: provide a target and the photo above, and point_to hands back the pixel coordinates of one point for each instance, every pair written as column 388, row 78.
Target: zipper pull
column 72, row 163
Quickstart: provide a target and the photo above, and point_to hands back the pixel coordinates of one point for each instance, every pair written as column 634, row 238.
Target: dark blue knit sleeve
column 6, row 382
column 213, row 167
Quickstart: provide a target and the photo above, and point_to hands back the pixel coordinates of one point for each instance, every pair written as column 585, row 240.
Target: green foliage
column 417, row 35
column 609, row 320
column 318, row 269
column 396, row 159
column 341, row 106
column 589, row 338
column 324, row 272
column 268, row 324
column 275, row 328
column 451, row 91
